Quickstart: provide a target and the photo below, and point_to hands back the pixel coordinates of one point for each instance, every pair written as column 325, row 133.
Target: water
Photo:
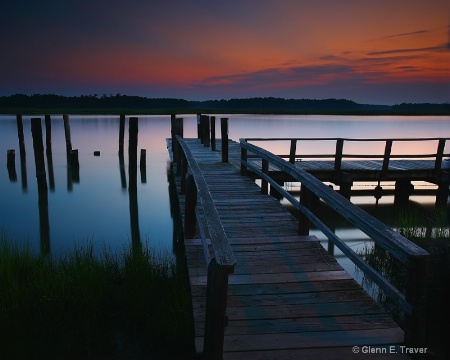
column 99, row 208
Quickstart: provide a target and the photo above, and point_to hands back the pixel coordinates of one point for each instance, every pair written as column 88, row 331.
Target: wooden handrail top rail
column 221, row 248
column 345, row 139
column 400, row 247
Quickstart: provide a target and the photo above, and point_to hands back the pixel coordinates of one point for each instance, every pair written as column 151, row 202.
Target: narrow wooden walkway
column 288, row 297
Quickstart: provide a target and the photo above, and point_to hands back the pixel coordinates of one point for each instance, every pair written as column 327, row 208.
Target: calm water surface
column 97, row 207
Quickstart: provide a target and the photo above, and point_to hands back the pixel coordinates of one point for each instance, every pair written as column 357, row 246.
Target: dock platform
column 288, row 298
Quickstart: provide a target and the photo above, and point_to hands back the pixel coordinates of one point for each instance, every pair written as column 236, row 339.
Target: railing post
column 190, row 223
column 386, row 158
column 338, row 155
column 176, row 129
column 265, row 170
column 213, row 133
column 439, row 155
column 216, row 305
column 293, row 151
column 243, row 158
column 224, row 131
column 415, row 295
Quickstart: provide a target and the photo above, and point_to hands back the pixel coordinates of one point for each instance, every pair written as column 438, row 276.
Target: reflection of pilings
column 143, row 166
column 48, row 131
column 68, row 152
column 11, row 165
column 132, row 186
column 134, row 220
column 23, row 155
column 75, row 165
column 121, row 133
column 123, row 176
column 38, row 146
column 132, row 152
column 48, row 151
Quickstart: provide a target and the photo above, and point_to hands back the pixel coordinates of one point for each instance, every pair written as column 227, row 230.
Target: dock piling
column 224, row 133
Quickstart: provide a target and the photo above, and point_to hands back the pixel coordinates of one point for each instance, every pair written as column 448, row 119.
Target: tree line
column 124, row 103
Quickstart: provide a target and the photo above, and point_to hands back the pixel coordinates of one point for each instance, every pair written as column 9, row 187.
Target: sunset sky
column 383, row 51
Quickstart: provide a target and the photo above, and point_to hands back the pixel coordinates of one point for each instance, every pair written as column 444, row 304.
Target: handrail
column 222, row 261
column 339, row 154
column 221, row 248
column 401, row 248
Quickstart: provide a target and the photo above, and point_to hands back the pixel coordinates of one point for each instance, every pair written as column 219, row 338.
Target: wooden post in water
column 48, row 151
column 11, row 165
column 36, row 130
column 213, row 133
column 20, row 134
column 132, row 153
column 224, row 133
column 67, row 134
column 121, row 133
column 23, row 155
column 48, row 131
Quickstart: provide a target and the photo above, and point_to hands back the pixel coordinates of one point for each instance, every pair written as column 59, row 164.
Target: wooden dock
column 288, row 298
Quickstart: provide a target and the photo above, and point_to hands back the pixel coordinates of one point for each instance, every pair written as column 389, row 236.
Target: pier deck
column 288, row 297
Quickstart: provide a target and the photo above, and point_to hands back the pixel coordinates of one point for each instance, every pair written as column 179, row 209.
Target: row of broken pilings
column 73, row 167
column 73, row 164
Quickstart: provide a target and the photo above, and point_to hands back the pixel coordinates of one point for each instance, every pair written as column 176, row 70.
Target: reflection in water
column 11, row 165
column 132, row 186
column 44, row 223
column 48, row 152
column 23, row 155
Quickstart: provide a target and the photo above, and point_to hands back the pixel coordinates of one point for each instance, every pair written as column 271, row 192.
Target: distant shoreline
column 200, row 111
column 135, row 105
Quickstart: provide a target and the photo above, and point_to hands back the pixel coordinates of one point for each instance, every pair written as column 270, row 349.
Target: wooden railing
column 339, row 154
column 408, row 253
column 221, row 262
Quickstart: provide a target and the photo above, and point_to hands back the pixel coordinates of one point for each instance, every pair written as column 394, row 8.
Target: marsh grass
column 82, row 306
column 434, row 237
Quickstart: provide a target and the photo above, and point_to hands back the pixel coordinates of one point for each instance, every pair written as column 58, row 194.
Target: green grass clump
column 81, row 306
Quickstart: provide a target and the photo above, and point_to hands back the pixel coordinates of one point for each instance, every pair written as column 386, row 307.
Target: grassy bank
column 435, row 238
column 79, row 306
